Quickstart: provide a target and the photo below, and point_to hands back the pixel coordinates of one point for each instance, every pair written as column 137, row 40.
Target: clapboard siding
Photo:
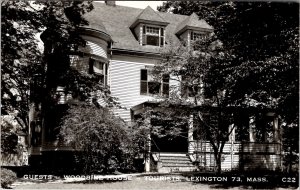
column 95, row 46
column 96, row 49
column 125, row 85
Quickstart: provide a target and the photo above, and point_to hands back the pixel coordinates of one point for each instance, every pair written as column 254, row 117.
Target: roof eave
column 96, row 33
column 185, row 28
column 136, row 53
column 159, row 23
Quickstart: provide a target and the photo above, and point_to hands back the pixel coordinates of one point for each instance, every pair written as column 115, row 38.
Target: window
column 100, row 69
column 153, row 36
column 188, row 90
column 196, row 35
column 151, row 87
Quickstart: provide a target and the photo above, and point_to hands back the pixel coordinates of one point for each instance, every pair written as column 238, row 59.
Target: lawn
column 136, row 183
column 140, row 182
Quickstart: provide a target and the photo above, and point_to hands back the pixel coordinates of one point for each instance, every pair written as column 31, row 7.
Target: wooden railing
column 237, row 147
column 237, row 155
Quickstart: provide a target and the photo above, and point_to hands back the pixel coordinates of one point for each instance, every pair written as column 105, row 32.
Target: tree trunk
column 218, row 156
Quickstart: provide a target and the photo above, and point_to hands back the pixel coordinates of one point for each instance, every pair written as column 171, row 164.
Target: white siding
column 125, row 85
column 97, row 49
column 97, row 46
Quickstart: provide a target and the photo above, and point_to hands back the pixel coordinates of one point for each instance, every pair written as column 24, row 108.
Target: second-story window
column 153, row 36
column 151, row 87
column 98, row 68
column 188, row 89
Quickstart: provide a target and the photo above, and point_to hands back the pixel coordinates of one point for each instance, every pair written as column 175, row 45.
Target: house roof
column 192, row 22
column 98, row 26
column 117, row 21
column 149, row 15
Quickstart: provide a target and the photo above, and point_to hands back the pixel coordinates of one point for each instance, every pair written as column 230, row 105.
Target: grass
column 136, row 183
column 141, row 182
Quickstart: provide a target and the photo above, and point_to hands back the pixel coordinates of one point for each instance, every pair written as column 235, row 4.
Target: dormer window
column 192, row 29
column 196, row 36
column 149, row 28
column 153, row 36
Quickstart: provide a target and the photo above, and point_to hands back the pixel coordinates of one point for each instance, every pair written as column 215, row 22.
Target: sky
column 140, row 4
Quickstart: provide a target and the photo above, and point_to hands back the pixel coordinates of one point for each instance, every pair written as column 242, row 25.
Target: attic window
column 153, row 36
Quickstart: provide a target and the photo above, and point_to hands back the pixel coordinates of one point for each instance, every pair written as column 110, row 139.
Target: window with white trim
column 197, row 35
column 153, row 36
column 188, row 89
column 100, row 69
column 149, row 86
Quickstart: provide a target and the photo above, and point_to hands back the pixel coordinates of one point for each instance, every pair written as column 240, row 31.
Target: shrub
column 103, row 139
column 7, row 177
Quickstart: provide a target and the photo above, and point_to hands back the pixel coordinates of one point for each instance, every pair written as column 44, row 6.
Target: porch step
column 175, row 162
column 173, row 169
column 178, row 164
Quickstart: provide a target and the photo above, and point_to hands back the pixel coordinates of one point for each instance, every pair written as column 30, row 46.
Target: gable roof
column 192, row 22
column 117, row 21
column 148, row 15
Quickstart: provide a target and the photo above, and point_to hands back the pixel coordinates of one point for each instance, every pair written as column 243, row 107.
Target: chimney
column 110, row 3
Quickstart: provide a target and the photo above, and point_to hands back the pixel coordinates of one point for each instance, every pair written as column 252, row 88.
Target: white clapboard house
column 123, row 43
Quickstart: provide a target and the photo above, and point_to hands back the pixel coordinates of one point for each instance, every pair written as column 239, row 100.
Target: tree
column 263, row 40
column 201, row 72
column 29, row 76
column 20, row 57
column 107, row 143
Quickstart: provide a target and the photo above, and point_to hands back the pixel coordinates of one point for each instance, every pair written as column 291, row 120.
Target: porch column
column 190, row 134
column 251, row 128
column 31, row 118
column 276, row 130
column 232, row 135
column 231, row 140
column 148, row 148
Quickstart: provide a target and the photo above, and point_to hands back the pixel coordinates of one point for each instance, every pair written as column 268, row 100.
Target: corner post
column 190, row 134
column 148, row 148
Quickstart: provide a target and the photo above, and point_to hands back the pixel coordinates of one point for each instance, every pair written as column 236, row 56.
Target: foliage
column 291, row 148
column 31, row 73
column 19, row 57
column 200, row 71
column 106, row 143
column 262, row 39
column 9, row 138
column 7, row 178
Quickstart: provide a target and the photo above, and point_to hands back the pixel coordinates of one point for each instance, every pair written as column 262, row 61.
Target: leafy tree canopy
column 32, row 71
column 263, row 37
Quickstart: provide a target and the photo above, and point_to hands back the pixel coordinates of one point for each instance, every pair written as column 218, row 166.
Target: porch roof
column 140, row 108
